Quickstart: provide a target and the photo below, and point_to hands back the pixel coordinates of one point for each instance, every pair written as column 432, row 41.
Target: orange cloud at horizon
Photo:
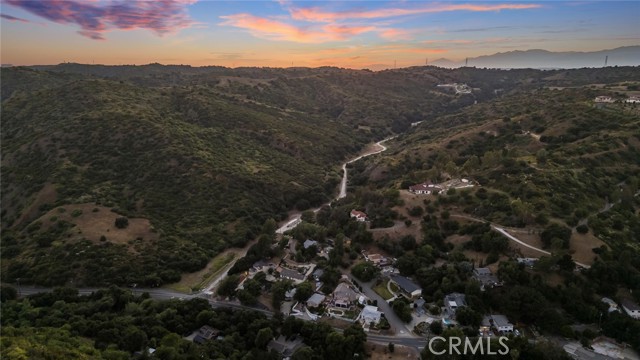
column 277, row 30
column 315, row 14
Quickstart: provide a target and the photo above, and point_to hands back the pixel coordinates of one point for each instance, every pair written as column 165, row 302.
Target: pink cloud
column 277, row 30
column 316, row 14
column 395, row 34
column 96, row 18
column 344, row 30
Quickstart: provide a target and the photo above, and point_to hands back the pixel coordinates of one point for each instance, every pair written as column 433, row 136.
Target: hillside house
column 528, row 262
column 486, row 278
column 376, row 259
column 344, row 295
column 604, row 99
column 631, row 308
column 409, row 289
column 369, row 315
column 290, row 274
column 613, row 306
column 309, row 243
column 633, row 99
column 285, row 347
column 262, row 265
column 499, row 322
column 205, row 334
column 317, row 274
column 358, row 215
column 289, row 294
column 425, row 188
column 315, row 300
column 453, row 302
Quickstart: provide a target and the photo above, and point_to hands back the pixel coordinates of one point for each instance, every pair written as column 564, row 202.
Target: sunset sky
column 353, row 34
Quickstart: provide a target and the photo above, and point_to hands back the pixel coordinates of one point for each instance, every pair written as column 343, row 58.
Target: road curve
column 343, row 184
column 294, row 219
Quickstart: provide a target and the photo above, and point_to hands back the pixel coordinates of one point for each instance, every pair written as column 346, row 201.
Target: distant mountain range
column 542, row 59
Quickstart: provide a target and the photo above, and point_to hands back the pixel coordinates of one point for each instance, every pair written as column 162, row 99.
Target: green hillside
column 197, row 159
column 553, row 150
column 207, row 171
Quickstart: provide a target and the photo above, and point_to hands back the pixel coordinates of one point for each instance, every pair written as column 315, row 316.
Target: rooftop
column 630, row 305
column 309, row 243
column 405, row 284
column 482, row 271
column 498, row 320
column 425, row 186
column 291, row 274
column 316, row 299
column 456, row 298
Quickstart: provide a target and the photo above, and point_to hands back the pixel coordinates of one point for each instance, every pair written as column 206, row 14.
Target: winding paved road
column 343, row 184
column 294, row 218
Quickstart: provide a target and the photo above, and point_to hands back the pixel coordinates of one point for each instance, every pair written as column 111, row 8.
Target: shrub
column 122, row 222
column 582, row 229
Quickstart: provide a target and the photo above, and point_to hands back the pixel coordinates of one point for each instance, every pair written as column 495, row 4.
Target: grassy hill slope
column 205, row 170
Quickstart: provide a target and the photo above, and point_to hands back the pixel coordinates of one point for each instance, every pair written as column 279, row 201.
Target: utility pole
column 606, row 59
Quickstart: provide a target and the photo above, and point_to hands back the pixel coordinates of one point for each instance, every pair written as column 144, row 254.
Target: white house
column 631, row 308
column 633, row 99
column 425, row 188
column 604, row 99
column 499, row 322
column 370, row 314
column 358, row 215
column 612, row 304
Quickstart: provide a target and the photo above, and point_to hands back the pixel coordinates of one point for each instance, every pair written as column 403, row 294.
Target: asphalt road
column 156, row 293
column 294, row 218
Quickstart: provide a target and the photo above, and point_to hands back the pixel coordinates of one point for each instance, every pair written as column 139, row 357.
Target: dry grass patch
column 92, row 221
column 582, row 245
column 197, row 280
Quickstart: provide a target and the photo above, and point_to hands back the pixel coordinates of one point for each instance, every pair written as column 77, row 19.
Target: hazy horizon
column 356, row 35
